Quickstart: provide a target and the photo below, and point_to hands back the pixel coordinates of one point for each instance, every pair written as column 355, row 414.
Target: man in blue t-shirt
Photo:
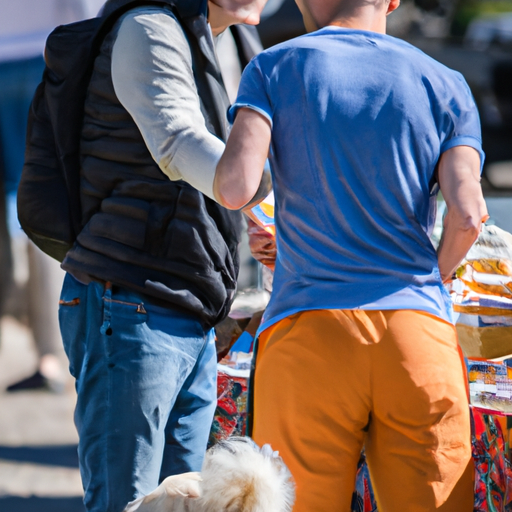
column 357, row 345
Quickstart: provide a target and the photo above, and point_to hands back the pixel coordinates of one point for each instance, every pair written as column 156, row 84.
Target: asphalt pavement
column 38, row 441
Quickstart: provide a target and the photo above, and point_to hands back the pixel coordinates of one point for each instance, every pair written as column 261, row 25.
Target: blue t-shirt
column 359, row 121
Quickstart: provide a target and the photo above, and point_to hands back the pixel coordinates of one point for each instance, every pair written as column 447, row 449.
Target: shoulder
column 269, row 58
column 148, row 30
column 150, row 21
column 423, row 62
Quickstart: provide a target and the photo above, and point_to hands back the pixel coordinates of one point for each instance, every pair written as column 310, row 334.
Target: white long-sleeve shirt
column 153, row 79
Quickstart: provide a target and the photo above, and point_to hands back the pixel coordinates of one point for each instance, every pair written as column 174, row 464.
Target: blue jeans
column 146, row 384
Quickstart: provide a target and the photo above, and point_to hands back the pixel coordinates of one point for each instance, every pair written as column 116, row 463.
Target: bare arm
column 240, row 169
column 459, row 180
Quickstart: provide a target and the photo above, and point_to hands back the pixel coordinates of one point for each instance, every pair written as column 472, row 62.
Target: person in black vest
column 154, row 268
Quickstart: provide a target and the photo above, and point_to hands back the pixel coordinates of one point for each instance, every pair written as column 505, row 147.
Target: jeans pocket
column 72, row 322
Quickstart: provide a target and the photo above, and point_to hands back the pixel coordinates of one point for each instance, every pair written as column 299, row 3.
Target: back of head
column 238, row 476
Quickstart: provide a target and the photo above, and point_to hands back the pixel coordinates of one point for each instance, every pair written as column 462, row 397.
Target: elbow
column 232, row 190
column 230, row 194
column 469, row 226
column 230, row 201
column 472, row 228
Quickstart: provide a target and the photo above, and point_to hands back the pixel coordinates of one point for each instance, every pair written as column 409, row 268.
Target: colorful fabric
column 493, row 475
column 363, row 499
column 230, row 417
column 359, row 120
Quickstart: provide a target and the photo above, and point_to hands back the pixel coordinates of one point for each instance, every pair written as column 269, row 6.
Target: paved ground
column 38, row 463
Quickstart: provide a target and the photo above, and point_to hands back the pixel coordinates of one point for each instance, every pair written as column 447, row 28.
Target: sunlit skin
column 240, row 168
column 223, row 13
column 369, row 15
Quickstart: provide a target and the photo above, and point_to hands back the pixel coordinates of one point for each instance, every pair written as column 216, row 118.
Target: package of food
column 484, row 327
column 482, row 296
column 487, row 268
column 488, row 276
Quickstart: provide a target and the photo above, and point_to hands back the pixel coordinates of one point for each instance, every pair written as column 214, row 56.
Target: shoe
column 35, row 382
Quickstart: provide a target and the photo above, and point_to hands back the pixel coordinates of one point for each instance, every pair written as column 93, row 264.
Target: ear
column 393, row 4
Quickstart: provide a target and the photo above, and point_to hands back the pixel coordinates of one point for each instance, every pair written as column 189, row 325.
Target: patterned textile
column 363, row 499
column 231, row 414
column 493, row 472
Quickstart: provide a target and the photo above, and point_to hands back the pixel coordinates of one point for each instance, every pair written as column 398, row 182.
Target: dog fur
column 237, row 476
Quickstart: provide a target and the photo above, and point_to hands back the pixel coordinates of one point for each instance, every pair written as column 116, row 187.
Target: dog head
column 238, row 476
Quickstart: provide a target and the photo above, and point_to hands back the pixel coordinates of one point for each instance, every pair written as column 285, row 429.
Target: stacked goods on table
column 493, row 474
column 363, row 499
column 482, row 296
column 231, row 414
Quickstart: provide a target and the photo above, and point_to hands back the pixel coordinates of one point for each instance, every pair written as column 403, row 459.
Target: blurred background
column 38, row 464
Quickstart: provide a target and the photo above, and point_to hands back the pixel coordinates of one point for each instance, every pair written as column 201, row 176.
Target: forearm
column 239, row 172
column 459, row 179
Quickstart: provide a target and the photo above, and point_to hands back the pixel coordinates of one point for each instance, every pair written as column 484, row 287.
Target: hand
column 262, row 244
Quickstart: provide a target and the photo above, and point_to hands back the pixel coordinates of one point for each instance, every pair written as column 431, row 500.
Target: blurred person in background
column 5, row 249
column 24, row 26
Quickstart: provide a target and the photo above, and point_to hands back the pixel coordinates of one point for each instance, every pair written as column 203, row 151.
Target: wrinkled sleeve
column 153, row 79
column 460, row 125
column 252, row 92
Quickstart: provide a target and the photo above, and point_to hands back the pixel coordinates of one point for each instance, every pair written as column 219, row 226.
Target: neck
column 365, row 19
column 359, row 14
column 218, row 19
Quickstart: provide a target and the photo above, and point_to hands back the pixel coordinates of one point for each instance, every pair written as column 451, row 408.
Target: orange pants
column 328, row 382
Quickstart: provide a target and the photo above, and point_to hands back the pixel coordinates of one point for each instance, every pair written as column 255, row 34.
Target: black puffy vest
column 141, row 230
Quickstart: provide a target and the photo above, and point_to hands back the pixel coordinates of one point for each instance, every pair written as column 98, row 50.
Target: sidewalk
column 38, row 461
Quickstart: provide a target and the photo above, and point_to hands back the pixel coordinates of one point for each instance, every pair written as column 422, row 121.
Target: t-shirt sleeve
column 252, row 92
column 460, row 121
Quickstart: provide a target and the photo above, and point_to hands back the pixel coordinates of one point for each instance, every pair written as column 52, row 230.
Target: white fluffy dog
column 237, row 476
